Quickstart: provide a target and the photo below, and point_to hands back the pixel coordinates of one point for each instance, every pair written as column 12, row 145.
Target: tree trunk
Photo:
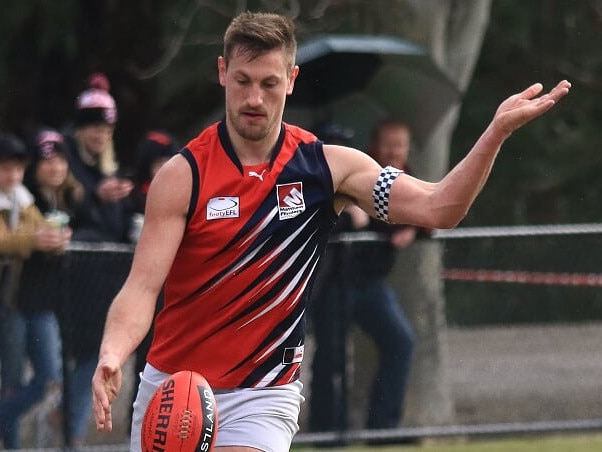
column 456, row 33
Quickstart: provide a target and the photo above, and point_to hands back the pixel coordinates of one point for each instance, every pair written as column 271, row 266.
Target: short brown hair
column 257, row 33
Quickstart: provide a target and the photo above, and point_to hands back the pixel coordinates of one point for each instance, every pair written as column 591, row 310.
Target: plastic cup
column 57, row 219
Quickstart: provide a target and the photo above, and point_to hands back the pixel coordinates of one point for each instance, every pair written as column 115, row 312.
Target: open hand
column 106, row 383
column 519, row 109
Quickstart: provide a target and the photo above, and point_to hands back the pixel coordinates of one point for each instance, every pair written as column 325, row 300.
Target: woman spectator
column 107, row 215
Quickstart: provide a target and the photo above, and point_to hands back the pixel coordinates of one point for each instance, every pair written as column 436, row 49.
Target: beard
column 257, row 131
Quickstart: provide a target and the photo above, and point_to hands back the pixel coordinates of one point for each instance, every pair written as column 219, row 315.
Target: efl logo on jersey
column 223, row 207
column 290, row 200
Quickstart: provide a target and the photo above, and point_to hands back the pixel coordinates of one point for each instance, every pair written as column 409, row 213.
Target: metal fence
column 93, row 272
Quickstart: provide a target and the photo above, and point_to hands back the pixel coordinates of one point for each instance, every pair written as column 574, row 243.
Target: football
column 181, row 416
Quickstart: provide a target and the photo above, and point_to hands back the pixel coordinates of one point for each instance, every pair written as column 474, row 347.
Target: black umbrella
column 381, row 75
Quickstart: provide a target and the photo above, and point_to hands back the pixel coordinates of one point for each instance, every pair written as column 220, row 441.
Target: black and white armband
column 382, row 190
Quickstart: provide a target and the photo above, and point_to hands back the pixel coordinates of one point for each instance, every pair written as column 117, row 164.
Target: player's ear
column 291, row 79
column 221, row 70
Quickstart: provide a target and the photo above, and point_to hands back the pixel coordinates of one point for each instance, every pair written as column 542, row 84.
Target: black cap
column 12, row 148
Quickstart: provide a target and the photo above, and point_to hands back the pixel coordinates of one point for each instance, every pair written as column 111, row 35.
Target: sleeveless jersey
column 237, row 291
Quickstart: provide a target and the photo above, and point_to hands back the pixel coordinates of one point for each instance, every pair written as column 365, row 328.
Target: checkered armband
column 381, row 191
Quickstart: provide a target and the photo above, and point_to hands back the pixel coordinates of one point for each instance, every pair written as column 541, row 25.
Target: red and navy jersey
column 236, row 294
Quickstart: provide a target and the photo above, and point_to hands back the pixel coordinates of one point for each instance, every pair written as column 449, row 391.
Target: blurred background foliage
column 548, row 172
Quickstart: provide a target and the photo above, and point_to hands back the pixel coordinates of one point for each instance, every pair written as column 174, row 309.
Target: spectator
column 59, row 196
column 106, row 217
column 354, row 288
column 29, row 328
column 92, row 158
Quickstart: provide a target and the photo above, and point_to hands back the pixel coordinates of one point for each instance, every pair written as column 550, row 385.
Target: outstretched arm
column 443, row 204
column 454, row 195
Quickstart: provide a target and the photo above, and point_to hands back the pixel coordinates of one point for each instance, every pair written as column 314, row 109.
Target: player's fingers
column 102, row 416
column 555, row 94
column 99, row 414
column 560, row 90
column 108, row 424
column 99, row 403
column 103, row 394
column 531, row 91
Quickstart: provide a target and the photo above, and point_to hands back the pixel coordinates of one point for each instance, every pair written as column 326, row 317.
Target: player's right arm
column 132, row 310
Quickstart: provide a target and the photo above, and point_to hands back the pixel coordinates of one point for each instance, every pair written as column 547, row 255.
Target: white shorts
column 262, row 418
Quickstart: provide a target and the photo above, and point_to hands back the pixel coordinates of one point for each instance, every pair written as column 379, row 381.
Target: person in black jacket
column 353, row 288
column 106, row 217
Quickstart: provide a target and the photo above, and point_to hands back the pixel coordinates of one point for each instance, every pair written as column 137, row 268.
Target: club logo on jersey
column 290, row 200
column 223, row 207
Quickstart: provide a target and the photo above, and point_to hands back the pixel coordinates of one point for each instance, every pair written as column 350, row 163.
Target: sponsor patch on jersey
column 223, row 207
column 290, row 200
column 293, row 355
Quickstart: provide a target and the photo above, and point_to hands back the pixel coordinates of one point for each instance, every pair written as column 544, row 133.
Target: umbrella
column 366, row 78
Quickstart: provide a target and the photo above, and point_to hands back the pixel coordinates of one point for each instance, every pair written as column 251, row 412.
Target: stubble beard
column 249, row 132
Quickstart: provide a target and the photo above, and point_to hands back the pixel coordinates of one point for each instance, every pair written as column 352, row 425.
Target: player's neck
column 253, row 152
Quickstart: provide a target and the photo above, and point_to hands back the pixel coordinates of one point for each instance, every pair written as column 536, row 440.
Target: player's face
column 393, row 146
column 256, row 91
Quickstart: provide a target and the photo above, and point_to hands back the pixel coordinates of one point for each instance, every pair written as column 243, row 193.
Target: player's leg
column 260, row 418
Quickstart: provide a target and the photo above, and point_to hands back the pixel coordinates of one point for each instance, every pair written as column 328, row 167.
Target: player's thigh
column 259, row 418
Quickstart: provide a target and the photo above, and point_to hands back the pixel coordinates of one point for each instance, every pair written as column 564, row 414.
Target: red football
column 181, row 416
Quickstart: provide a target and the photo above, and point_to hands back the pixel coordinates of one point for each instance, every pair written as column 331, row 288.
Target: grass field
column 564, row 443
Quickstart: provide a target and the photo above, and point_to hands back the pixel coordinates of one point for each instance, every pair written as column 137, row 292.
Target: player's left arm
column 445, row 203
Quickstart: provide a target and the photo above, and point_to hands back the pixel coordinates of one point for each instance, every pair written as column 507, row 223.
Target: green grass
column 550, row 443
